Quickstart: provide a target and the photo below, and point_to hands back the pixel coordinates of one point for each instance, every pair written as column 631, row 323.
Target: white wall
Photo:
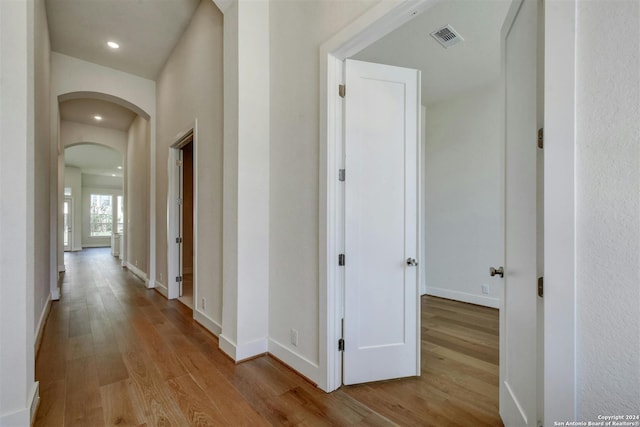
column 464, row 196
column 137, row 195
column 73, row 180
column 72, row 133
column 45, row 163
column 608, row 208
column 189, row 88
column 297, row 29
column 70, row 75
column 18, row 390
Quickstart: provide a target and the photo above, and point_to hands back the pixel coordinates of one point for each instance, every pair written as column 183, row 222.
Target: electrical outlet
column 136, row 263
column 161, row 277
column 485, row 289
column 294, row 337
column 204, row 305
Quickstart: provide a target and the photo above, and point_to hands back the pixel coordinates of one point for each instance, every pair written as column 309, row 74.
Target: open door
column 518, row 319
column 381, row 311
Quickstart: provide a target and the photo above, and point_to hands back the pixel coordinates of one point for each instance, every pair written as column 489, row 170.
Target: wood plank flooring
column 116, row 353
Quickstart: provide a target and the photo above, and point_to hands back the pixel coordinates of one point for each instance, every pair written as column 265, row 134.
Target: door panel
column 381, row 324
column 518, row 332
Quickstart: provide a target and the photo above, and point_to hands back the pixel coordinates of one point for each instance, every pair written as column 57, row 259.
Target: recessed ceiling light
column 113, row 174
column 98, row 118
column 113, row 45
column 119, row 167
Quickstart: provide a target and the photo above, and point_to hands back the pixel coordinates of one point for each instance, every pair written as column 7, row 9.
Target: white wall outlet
column 161, row 277
column 136, row 263
column 204, row 305
column 485, row 289
column 294, row 337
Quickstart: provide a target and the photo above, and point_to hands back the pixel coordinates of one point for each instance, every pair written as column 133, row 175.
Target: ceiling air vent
column 447, row 36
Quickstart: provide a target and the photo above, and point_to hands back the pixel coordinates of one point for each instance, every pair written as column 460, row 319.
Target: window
column 120, row 215
column 101, row 215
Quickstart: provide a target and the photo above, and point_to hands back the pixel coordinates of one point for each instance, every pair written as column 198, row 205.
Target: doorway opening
column 186, row 226
column 182, row 220
column 370, row 30
column 67, row 221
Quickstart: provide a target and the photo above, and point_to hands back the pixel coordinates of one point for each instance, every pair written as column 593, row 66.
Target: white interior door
column 518, row 328
column 381, row 311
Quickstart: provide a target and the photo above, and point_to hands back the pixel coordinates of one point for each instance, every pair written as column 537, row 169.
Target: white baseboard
column 61, row 268
column 135, row 270
column 162, row 288
column 41, row 323
column 245, row 351
column 208, row 323
column 464, row 297
column 35, row 402
column 55, row 294
column 228, row 346
column 24, row 416
column 96, row 245
column 295, row 361
column 151, row 284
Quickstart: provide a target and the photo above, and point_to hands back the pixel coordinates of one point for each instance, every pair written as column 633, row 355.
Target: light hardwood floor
column 115, row 353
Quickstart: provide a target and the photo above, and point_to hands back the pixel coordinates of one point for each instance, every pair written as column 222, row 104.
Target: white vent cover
column 447, row 36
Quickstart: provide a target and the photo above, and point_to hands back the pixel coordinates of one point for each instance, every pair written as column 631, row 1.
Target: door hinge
column 179, row 201
column 178, row 163
column 541, row 138
column 341, row 259
column 341, row 344
column 540, row 287
column 342, row 91
column 341, row 175
column 178, row 239
column 178, row 278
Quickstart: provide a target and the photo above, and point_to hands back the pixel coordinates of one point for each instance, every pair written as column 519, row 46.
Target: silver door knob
column 496, row 271
column 411, row 262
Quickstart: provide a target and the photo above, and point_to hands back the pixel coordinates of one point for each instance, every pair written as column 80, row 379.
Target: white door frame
column 559, row 215
column 173, row 219
column 376, row 23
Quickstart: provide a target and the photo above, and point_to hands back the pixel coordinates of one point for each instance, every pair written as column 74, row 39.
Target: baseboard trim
column 25, row 416
column 241, row 353
column 61, row 268
column 464, row 297
column 227, row 346
column 161, row 288
column 298, row 363
column 208, row 323
column 135, row 270
column 41, row 323
column 35, row 402
column 55, row 294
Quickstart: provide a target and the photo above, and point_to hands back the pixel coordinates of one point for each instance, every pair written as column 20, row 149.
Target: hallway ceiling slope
column 147, row 31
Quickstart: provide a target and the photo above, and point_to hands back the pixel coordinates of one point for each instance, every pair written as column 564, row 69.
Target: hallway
column 116, row 353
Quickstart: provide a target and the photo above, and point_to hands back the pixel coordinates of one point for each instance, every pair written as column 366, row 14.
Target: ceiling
column 447, row 72
column 83, row 111
column 147, row 31
column 94, row 159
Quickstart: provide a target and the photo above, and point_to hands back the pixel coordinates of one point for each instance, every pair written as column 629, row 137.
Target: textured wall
column 608, row 208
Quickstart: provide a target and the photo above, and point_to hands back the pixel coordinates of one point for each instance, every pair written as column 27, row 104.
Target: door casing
column 559, row 212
